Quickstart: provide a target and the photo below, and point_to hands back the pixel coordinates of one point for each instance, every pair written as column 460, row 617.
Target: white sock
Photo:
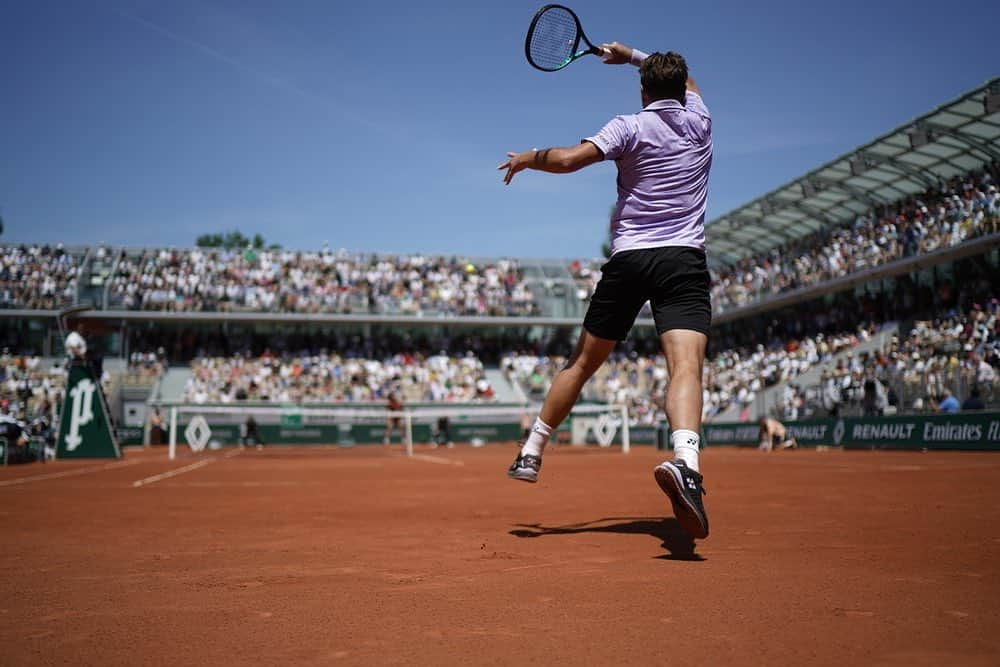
column 537, row 439
column 686, row 447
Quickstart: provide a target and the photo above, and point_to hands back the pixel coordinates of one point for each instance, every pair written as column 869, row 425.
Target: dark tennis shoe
column 683, row 486
column 525, row 468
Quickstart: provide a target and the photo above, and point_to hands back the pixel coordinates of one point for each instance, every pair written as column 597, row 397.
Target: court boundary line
column 153, row 479
column 440, row 460
column 70, row 473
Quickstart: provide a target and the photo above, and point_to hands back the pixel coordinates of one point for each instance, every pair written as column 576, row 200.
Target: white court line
column 180, row 471
column 70, row 473
column 437, row 459
column 171, row 473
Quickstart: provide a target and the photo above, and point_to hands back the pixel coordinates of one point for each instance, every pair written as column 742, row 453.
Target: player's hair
column 664, row 76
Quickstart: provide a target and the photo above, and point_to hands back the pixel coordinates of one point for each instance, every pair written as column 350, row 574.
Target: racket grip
column 600, row 52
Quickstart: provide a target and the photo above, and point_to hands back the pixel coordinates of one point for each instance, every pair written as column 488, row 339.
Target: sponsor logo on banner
column 197, row 433
column 953, row 432
column 993, row 433
column 808, row 431
column 867, row 431
column 604, row 430
column 838, row 432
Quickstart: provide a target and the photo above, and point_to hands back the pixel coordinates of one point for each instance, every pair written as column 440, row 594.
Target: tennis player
column 663, row 154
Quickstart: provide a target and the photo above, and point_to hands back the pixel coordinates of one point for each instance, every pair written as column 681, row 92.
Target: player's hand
column 516, row 162
column 616, row 54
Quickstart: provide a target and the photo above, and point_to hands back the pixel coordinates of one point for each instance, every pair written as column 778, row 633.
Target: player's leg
column 591, row 351
column 612, row 311
column 680, row 478
column 682, row 311
column 685, row 353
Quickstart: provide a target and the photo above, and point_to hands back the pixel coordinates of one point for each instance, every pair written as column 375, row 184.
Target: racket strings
column 553, row 39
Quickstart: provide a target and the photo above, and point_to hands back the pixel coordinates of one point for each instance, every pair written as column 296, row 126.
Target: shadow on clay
column 679, row 545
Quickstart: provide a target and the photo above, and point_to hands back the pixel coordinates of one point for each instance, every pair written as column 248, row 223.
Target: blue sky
column 379, row 126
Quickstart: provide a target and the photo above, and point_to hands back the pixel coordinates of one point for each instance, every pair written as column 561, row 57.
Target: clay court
column 364, row 556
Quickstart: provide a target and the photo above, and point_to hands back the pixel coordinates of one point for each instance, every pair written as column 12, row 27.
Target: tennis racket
column 554, row 38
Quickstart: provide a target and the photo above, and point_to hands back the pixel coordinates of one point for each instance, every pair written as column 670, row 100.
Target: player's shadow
column 679, row 545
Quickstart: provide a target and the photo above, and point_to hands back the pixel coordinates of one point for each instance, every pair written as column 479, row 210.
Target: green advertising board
column 85, row 430
column 306, row 429
column 961, row 431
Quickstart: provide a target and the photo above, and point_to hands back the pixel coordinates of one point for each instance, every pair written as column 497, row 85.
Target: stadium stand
column 313, row 282
column 330, row 378
column 38, row 277
column 29, row 385
column 213, row 280
column 198, row 280
column 957, row 352
column 943, row 216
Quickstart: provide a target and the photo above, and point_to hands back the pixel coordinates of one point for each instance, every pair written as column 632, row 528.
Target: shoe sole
column 687, row 515
column 523, row 477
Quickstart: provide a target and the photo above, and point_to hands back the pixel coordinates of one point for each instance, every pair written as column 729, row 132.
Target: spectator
column 157, row 431
column 251, row 432
column 948, row 403
column 394, row 420
column 442, row 433
column 973, row 402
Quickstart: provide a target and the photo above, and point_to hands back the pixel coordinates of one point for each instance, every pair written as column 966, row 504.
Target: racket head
column 554, row 37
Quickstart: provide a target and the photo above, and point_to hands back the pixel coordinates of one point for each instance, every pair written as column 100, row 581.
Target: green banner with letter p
column 85, row 428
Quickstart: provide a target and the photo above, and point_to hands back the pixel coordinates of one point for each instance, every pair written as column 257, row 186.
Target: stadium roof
column 955, row 138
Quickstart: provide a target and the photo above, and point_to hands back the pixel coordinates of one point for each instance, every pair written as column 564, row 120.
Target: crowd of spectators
column 318, row 282
column 327, row 281
column 181, row 344
column 943, row 216
column 736, row 376
column 144, row 368
column 28, row 387
column 955, row 355
column 38, row 277
column 330, row 378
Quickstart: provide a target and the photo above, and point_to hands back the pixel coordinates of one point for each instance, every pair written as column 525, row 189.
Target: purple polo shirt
column 663, row 154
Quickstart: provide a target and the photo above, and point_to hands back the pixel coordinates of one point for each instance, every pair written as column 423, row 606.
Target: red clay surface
column 320, row 556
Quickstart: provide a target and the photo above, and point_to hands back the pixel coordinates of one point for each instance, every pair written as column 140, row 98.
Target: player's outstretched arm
column 552, row 160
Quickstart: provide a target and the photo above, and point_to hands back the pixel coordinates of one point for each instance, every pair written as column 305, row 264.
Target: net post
column 626, row 440
column 173, row 433
column 408, row 435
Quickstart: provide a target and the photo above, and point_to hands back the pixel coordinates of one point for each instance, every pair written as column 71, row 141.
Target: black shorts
column 674, row 279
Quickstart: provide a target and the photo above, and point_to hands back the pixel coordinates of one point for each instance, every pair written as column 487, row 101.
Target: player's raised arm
column 552, row 160
column 619, row 54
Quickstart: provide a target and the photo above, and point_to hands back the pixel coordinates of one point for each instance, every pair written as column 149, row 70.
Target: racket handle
column 601, row 52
